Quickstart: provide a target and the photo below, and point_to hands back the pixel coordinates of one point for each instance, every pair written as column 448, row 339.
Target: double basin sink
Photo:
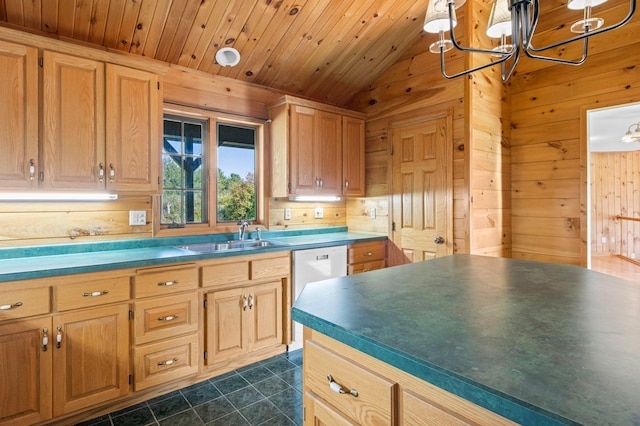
column 235, row 245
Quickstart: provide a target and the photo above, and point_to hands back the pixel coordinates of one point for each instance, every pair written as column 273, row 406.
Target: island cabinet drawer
column 165, row 280
column 165, row 317
column 165, row 361
column 367, row 252
column 19, row 301
column 88, row 290
column 368, row 398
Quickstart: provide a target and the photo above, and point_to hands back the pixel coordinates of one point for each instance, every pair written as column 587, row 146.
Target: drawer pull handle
column 368, row 254
column 7, row 307
column 45, row 339
column 95, row 293
column 169, row 361
column 168, row 318
column 245, row 302
column 338, row 388
column 167, row 283
column 251, row 301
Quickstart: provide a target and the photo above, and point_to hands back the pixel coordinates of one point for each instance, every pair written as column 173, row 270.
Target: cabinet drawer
column 365, row 252
column 270, row 268
column 225, row 273
column 165, row 361
column 374, row 404
column 23, row 302
column 92, row 292
column 365, row 267
column 165, row 280
column 165, row 317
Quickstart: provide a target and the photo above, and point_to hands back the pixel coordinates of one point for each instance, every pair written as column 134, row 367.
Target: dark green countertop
column 45, row 261
column 538, row 343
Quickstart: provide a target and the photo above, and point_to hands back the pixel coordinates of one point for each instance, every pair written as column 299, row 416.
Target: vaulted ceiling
column 320, row 49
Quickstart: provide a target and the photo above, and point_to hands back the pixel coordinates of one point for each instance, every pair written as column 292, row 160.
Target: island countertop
column 537, row 343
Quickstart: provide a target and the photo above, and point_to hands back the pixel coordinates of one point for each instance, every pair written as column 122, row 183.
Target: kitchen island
column 535, row 343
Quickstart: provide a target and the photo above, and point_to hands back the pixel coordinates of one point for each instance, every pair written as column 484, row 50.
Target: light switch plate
column 319, row 213
column 372, row 213
column 137, row 217
column 287, row 214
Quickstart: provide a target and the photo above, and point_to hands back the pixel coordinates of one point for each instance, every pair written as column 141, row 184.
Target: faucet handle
column 258, row 230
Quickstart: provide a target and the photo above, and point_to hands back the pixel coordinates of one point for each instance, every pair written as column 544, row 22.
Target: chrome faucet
column 243, row 228
column 258, row 231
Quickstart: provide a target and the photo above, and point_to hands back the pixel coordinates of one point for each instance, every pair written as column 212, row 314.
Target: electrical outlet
column 372, row 213
column 319, row 213
column 604, row 240
column 137, row 217
column 287, row 214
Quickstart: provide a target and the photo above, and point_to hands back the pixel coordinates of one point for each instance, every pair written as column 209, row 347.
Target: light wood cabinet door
column 92, row 362
column 25, row 372
column 328, row 158
column 304, row 175
column 353, row 161
column 265, row 310
column 18, row 116
column 226, row 329
column 73, row 122
column 134, row 112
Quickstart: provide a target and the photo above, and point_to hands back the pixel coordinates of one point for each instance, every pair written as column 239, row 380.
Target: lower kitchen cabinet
column 366, row 256
column 91, row 361
column 242, row 320
column 25, row 372
column 320, row 413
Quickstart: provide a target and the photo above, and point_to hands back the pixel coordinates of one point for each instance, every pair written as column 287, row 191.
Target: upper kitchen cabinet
column 73, row 155
column 79, row 151
column 18, row 115
column 134, row 116
column 316, row 150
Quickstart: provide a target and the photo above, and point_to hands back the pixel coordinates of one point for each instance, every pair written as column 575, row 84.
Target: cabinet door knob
column 245, row 302
column 59, row 337
column 45, row 339
column 338, row 388
column 439, row 240
column 251, row 301
column 32, row 169
column 112, row 173
column 101, row 173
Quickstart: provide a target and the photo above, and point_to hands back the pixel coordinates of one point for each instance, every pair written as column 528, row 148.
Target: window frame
column 211, row 157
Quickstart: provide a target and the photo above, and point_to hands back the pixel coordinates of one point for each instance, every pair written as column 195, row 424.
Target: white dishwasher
column 315, row 265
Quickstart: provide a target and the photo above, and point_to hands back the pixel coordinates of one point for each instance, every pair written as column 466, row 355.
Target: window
column 209, row 172
column 184, row 192
column 236, row 173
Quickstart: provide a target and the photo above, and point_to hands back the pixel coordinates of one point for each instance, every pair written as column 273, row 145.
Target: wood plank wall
column 549, row 154
column 615, row 191
column 490, row 148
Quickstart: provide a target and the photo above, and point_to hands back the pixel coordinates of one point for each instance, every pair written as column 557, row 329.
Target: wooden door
column 422, row 192
column 265, row 304
column 226, row 329
column 328, row 156
column 91, row 366
column 134, row 112
column 73, row 122
column 303, row 175
column 25, row 372
column 353, row 183
column 18, row 116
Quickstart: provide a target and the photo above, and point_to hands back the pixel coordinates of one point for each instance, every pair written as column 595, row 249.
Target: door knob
column 438, row 240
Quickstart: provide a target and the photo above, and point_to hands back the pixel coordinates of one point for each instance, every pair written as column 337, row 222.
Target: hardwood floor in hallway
column 616, row 266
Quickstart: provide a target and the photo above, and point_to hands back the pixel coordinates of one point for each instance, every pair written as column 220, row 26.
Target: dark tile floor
column 265, row 393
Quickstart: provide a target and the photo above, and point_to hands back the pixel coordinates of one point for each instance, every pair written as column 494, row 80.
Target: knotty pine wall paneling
column 615, row 191
column 549, row 141
column 489, row 119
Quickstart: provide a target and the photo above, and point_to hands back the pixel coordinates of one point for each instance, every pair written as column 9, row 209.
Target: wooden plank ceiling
column 326, row 50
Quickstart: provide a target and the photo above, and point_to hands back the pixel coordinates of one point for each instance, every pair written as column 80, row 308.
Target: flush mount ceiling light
column 228, row 57
column 516, row 19
column 630, row 136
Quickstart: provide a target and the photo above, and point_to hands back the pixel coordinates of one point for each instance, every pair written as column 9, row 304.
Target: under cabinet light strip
column 55, row 196
column 314, row 198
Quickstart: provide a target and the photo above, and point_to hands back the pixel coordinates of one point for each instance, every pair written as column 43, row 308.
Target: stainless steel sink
column 230, row 245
